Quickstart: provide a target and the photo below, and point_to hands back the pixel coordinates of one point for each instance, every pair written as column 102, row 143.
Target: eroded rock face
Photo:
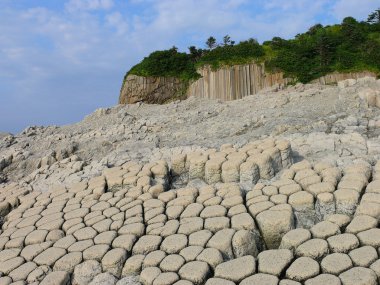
column 152, row 90
column 242, row 212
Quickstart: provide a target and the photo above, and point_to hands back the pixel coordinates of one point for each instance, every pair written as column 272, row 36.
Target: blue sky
column 62, row 59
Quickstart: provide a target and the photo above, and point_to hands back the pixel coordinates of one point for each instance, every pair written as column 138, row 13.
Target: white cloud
column 75, row 5
column 61, row 64
column 357, row 9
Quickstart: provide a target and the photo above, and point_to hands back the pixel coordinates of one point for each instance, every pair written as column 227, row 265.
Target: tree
column 211, row 42
column 195, row 53
column 374, row 18
column 227, row 40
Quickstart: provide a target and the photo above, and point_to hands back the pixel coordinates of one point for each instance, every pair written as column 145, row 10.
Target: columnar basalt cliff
column 227, row 83
column 336, row 77
column 234, row 82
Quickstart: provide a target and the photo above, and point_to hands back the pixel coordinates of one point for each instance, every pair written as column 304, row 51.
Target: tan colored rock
column 358, row 276
column 222, row 240
column 212, row 256
column 274, row 225
column 363, row 256
column 324, row 230
column 190, row 253
column 166, row 278
column 314, row 248
column 237, row 269
column 56, row 278
column 370, row 237
column 49, row 256
column 336, row 263
column 172, row 263
column 113, row 261
column 302, row 268
column 85, row 272
column 274, row 261
column 195, row 271
column 260, row 278
column 174, row 243
column 343, row 243
column 323, row 279
column 148, row 275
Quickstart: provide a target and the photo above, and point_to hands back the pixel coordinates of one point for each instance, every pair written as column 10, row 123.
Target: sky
column 62, row 59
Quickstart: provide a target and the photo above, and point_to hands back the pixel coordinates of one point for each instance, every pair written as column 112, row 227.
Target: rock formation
column 278, row 188
column 226, row 83
column 153, row 90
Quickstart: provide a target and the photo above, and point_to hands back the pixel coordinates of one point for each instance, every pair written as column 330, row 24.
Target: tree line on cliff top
column 347, row 47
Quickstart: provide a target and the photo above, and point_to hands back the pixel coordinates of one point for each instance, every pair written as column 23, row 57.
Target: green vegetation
column 350, row 46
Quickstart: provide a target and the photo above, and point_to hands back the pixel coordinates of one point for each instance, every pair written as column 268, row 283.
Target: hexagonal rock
column 85, row 233
column 96, row 252
column 174, row 243
column 244, row 243
column 49, row 256
column 274, row 261
column 243, row 221
column 85, row 272
column 213, row 211
column 370, row 237
column 68, row 262
column 200, row 238
column 302, row 268
column 113, row 261
column 314, row 248
column 133, row 265
column 148, row 275
column 376, row 267
column 195, row 271
column 190, row 253
column 361, row 223
column 166, row 278
column 124, row 241
column 222, row 240
column 363, row 256
column 343, row 243
column 236, row 269
column 212, row 256
column 219, row 281
column 294, row 238
column 324, row 230
column 216, row 224
column 324, row 279
column 22, row 272
column 260, row 278
column 147, row 244
column 104, row 279
column 273, row 225
column 336, row 263
column 56, row 278
column 172, row 262
column 358, row 276
column 339, row 219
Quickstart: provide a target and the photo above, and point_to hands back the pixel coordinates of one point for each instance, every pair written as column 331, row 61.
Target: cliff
column 227, row 83
column 235, row 82
column 154, row 90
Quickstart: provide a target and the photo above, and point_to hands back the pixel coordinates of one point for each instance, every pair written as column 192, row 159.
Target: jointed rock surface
column 243, row 213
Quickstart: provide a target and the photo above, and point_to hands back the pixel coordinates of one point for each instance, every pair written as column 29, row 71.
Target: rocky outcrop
column 335, row 77
column 154, row 90
column 234, row 82
column 227, row 83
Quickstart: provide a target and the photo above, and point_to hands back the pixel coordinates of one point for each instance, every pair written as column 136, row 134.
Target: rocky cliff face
column 336, row 77
column 235, row 82
column 228, row 83
column 154, row 90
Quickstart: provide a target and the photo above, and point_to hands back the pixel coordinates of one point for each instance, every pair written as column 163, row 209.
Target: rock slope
column 278, row 188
